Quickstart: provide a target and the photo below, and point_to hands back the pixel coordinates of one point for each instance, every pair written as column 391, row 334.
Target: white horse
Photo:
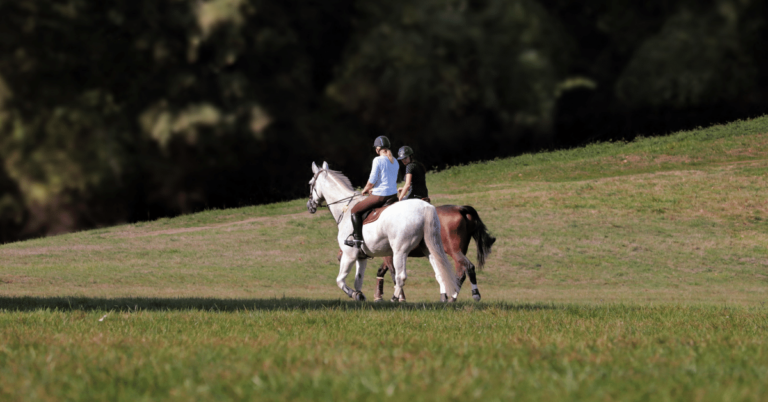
column 398, row 230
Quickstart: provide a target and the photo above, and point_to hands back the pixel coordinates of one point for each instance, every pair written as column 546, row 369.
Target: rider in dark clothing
column 415, row 176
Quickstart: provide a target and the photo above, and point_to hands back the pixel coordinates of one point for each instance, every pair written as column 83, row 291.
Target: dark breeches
column 370, row 203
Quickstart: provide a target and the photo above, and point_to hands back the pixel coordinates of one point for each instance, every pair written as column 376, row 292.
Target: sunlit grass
column 622, row 271
column 294, row 349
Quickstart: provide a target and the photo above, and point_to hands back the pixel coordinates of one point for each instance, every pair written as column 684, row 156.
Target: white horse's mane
column 340, row 179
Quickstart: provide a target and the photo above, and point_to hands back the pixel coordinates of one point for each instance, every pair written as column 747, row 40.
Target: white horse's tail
column 435, row 246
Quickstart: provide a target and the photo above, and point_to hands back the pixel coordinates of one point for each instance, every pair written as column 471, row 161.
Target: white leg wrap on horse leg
column 474, row 287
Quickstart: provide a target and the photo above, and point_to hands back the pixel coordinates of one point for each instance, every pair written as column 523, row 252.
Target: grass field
column 622, row 271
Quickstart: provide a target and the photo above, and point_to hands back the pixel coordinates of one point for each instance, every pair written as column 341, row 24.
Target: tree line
column 130, row 110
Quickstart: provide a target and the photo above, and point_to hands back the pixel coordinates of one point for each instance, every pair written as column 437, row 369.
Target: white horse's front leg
column 344, row 268
column 400, row 275
column 360, row 274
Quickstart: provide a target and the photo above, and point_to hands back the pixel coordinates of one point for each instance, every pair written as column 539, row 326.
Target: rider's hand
column 366, row 191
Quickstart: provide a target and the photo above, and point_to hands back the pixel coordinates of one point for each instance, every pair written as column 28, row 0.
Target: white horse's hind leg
column 437, row 273
column 440, row 280
column 400, row 275
column 344, row 268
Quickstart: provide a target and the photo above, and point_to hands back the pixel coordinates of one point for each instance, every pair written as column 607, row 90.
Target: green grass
column 300, row 350
column 622, row 271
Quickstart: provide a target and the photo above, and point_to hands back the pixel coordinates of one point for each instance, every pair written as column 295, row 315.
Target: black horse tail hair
column 483, row 238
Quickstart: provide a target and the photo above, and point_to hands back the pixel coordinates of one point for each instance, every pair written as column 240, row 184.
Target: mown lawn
column 298, row 350
column 622, row 271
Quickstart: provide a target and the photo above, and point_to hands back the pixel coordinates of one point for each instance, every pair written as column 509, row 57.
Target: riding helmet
column 381, row 141
column 404, row 152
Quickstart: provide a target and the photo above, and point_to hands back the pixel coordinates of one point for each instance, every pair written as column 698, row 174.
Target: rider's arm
column 374, row 177
column 406, row 186
column 368, row 188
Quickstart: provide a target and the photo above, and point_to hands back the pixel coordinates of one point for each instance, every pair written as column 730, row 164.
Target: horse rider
column 415, row 176
column 382, row 185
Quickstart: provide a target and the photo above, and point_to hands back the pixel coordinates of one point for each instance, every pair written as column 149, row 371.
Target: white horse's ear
column 314, row 168
column 325, row 165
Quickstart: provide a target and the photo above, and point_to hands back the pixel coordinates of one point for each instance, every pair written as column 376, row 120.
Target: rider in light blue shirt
column 382, row 184
column 383, row 176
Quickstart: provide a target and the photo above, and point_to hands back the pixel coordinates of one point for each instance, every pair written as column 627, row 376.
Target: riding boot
column 357, row 235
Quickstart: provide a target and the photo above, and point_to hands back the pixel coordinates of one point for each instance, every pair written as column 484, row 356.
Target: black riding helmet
column 381, row 141
column 404, row 152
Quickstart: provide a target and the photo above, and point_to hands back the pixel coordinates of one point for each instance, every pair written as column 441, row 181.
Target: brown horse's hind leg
column 386, row 265
column 460, row 261
column 473, row 281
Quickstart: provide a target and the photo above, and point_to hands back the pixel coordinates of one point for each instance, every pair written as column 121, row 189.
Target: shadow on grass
column 210, row 304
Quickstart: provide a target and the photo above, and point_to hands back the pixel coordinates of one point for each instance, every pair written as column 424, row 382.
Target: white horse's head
column 315, row 191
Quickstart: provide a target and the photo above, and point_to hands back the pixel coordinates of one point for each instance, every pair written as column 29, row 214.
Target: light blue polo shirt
column 384, row 176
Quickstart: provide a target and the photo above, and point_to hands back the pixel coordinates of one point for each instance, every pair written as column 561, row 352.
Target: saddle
column 374, row 214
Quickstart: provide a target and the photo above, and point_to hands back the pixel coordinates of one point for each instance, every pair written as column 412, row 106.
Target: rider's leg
column 357, row 218
column 357, row 228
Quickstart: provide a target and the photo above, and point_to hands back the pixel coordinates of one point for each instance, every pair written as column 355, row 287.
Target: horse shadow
column 127, row 304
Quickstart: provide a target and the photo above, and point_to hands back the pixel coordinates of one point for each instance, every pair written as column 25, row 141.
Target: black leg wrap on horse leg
column 378, row 295
column 471, row 273
column 382, row 270
column 473, row 281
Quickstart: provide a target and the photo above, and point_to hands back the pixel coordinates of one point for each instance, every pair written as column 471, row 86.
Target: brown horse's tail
column 482, row 237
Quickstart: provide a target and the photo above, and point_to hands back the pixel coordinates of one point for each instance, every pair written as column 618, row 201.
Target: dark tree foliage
column 115, row 111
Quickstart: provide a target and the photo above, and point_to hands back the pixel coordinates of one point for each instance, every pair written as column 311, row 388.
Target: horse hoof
column 452, row 300
column 394, row 299
column 443, row 298
column 378, row 300
column 401, row 300
column 476, row 294
column 358, row 296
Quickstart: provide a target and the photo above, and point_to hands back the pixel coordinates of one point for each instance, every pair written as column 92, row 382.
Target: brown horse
column 458, row 224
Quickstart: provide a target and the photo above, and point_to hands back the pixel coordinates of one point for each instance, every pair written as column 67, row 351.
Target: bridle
column 313, row 205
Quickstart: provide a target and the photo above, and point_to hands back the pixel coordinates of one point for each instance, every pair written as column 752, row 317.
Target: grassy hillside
column 676, row 218
column 622, row 271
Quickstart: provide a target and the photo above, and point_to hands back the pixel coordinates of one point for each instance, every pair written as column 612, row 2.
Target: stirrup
column 354, row 243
